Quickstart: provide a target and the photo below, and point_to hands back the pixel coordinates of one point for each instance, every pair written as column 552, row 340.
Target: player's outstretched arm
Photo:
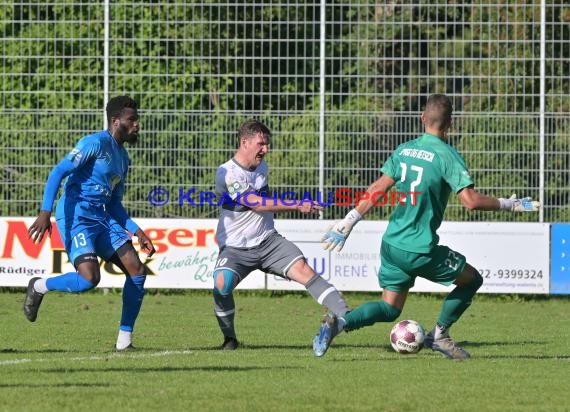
column 524, row 204
column 336, row 236
column 474, row 200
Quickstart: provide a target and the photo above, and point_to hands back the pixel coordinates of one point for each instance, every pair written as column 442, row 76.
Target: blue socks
column 133, row 293
column 69, row 282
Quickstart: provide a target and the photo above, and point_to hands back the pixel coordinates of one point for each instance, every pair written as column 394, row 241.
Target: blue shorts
column 87, row 230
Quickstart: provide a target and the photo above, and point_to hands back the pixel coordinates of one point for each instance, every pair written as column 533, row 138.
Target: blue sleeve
column 58, row 173
column 86, row 149
column 117, row 211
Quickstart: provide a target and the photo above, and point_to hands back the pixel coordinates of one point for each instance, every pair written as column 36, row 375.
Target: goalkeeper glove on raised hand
column 525, row 204
column 335, row 237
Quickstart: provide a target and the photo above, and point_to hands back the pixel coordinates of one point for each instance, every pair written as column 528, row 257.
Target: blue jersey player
column 91, row 218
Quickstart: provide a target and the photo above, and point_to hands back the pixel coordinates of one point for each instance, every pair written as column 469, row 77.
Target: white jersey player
column 247, row 236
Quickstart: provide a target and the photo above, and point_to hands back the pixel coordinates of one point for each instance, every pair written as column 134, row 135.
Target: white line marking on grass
column 14, row 361
column 118, row 355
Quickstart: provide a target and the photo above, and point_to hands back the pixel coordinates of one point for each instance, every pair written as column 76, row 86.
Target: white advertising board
column 512, row 257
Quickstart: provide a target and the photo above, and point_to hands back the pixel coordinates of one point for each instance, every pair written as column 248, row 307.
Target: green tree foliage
column 199, row 69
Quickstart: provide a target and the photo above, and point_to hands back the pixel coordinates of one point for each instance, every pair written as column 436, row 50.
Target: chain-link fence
column 340, row 85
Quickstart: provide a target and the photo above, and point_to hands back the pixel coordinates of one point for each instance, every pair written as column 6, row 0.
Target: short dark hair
column 116, row 105
column 253, row 127
column 438, row 111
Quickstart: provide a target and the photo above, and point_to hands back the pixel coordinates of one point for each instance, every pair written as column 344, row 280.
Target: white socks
column 40, row 286
column 124, row 340
column 440, row 332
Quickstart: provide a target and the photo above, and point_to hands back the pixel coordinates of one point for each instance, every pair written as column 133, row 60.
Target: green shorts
column 399, row 268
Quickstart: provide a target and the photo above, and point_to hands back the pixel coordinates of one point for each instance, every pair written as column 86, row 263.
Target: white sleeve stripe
column 323, row 295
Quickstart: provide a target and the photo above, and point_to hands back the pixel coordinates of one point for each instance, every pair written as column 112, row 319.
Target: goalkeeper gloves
column 526, row 204
column 335, row 237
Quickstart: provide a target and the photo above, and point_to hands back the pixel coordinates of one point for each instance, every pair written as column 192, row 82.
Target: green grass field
column 65, row 361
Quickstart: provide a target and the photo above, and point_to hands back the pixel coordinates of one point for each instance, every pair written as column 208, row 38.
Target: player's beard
column 130, row 138
column 133, row 138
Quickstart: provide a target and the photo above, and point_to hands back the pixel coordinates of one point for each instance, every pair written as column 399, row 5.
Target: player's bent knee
column 301, row 272
column 477, row 281
column 142, row 271
column 135, row 268
column 89, row 274
column 225, row 281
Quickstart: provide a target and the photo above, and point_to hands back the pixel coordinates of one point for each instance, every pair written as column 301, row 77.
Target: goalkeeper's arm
column 474, row 200
column 377, row 189
column 335, row 237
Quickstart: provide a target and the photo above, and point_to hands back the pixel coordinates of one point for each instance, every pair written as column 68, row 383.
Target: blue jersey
column 97, row 168
column 100, row 168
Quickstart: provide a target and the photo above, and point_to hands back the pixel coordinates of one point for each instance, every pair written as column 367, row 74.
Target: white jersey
column 239, row 226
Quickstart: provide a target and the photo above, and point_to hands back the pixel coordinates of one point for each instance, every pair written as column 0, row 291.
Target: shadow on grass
column 463, row 344
column 249, row 346
column 169, row 369
column 501, row 343
column 466, row 345
column 23, row 351
column 217, row 348
column 56, row 385
column 531, row 357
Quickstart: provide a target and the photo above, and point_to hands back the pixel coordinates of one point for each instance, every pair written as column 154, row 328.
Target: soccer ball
column 407, row 336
